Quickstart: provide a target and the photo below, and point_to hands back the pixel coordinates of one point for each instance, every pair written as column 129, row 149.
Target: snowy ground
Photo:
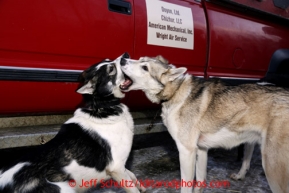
column 158, row 161
column 155, row 157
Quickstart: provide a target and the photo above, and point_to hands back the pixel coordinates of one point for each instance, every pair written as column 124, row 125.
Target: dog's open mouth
column 126, row 84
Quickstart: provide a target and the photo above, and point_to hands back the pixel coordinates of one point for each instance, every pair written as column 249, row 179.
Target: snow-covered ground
column 160, row 164
column 155, row 158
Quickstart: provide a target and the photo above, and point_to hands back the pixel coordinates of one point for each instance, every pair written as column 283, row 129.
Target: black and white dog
column 93, row 145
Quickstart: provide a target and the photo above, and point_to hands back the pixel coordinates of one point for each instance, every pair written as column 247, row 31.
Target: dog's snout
column 122, row 61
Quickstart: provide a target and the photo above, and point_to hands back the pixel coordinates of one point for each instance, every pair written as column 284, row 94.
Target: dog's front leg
column 122, row 176
column 201, row 170
column 187, row 163
column 135, row 181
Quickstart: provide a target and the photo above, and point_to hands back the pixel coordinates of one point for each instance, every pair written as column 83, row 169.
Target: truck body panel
column 44, row 45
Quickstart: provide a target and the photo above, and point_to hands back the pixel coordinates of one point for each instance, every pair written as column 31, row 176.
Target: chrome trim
column 40, row 69
column 235, row 78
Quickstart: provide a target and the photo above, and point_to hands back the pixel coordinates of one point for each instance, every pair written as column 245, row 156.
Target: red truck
column 45, row 44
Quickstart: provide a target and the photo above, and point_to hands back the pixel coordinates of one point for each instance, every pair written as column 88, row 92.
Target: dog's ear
column 162, row 59
column 86, row 75
column 176, row 72
column 81, row 77
column 86, row 88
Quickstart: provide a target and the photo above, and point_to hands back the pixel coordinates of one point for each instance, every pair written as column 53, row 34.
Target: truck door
column 242, row 41
column 172, row 28
column 40, row 39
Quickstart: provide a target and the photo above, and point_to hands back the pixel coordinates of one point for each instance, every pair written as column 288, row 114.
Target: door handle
column 119, row 6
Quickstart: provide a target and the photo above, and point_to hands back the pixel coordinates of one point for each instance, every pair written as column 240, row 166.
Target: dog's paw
column 237, row 177
column 142, row 189
column 198, row 190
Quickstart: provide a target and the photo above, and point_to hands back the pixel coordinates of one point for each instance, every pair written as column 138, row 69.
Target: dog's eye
column 111, row 68
column 145, row 68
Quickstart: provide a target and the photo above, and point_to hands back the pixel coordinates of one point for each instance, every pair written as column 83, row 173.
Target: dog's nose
column 126, row 55
column 122, row 61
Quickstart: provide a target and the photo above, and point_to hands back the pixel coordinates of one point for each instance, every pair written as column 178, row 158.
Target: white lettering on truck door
column 169, row 25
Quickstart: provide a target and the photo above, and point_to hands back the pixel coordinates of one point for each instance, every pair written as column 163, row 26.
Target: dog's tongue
column 126, row 84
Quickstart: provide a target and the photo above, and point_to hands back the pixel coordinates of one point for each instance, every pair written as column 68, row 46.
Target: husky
column 203, row 114
column 90, row 147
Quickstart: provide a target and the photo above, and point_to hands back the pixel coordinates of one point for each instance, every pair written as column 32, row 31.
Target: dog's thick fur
column 92, row 145
column 202, row 114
